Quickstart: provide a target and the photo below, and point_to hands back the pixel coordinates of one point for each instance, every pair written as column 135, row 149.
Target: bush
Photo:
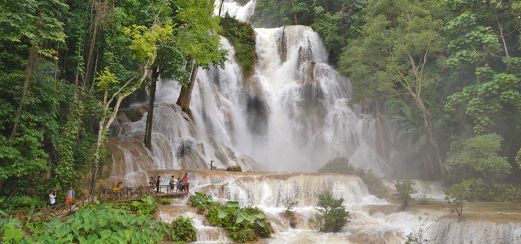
column 21, row 204
column 332, row 215
column 146, row 206
column 234, row 169
column 456, row 197
column 477, row 157
column 201, row 201
column 403, row 192
column 184, row 230
column 242, row 224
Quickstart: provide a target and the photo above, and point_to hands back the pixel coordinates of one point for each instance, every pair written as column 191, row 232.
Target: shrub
column 403, row 192
column 184, row 230
column 477, row 157
column 242, row 224
column 332, row 215
column 222, row 215
column 234, row 169
column 456, row 197
column 21, row 204
column 201, row 201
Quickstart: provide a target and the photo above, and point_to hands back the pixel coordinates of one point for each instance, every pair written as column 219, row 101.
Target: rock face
column 175, row 145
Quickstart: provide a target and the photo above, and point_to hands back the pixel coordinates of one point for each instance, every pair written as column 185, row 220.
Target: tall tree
column 199, row 41
column 394, row 56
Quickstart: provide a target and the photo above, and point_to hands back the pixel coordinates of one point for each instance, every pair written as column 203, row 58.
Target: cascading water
column 293, row 115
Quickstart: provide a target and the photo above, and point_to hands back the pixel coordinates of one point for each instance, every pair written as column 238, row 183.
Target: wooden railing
column 105, row 196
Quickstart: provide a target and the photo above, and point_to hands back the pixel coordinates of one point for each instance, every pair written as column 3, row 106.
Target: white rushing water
column 293, row 115
column 372, row 220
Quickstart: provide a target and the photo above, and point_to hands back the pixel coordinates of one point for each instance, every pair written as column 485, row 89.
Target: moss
column 242, row 37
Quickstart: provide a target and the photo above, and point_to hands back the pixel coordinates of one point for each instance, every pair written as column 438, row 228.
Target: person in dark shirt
column 158, row 181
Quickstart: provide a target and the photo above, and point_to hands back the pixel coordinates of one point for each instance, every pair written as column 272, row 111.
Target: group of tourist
column 179, row 184
column 69, row 199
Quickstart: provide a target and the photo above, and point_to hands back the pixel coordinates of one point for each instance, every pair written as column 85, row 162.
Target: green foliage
column 101, row 224
column 201, row 201
column 456, row 196
column 184, row 230
column 11, row 231
column 146, row 206
column 332, row 215
column 335, row 21
column 197, row 37
column 242, row 37
column 144, row 40
column 479, row 155
column 234, row 169
column 21, row 204
column 404, row 191
column 242, row 224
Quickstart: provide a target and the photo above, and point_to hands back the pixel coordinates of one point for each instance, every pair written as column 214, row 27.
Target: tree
column 404, row 191
column 478, row 157
column 396, row 56
column 197, row 40
column 30, row 94
column 332, row 215
column 143, row 42
column 456, row 197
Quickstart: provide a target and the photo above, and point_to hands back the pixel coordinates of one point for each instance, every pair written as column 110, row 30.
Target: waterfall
column 293, row 115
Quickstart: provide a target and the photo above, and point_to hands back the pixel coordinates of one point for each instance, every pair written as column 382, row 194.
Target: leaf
column 221, row 214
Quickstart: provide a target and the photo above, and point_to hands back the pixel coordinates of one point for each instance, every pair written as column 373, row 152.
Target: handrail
column 125, row 194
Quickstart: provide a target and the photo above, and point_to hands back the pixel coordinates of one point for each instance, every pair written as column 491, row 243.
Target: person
column 172, row 183
column 158, row 181
column 179, row 184
column 117, row 188
column 70, row 195
column 52, row 198
column 186, row 183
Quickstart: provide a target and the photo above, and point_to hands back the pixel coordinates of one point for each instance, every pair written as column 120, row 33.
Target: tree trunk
column 502, row 35
column 106, row 122
column 221, row 7
column 150, row 115
column 186, row 90
column 428, row 127
column 29, row 70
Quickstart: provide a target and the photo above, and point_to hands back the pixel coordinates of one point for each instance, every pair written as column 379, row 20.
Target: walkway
column 107, row 196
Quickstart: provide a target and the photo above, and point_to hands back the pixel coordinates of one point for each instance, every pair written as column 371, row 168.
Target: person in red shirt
column 186, row 182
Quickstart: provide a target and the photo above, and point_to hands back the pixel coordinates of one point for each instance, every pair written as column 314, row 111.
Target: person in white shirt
column 52, row 198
